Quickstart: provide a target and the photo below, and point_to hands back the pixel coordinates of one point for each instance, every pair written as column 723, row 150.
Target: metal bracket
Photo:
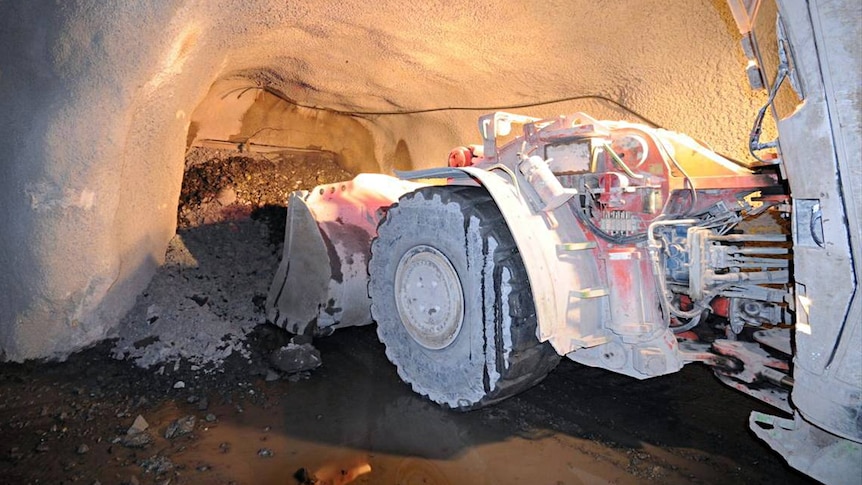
column 590, row 293
column 581, row 246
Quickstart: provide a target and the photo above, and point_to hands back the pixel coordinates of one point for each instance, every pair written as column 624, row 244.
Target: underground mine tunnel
column 153, row 150
column 109, row 96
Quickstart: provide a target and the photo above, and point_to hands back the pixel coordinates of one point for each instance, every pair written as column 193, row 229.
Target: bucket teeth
column 302, row 280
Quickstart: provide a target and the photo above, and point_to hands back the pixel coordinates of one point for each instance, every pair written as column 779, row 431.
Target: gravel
column 209, row 295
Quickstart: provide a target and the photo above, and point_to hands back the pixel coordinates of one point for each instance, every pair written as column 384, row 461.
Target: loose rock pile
column 211, row 291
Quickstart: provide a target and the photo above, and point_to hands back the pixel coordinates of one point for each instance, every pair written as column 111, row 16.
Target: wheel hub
column 429, row 297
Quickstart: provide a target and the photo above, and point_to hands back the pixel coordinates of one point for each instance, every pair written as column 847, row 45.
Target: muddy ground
column 349, row 421
column 581, row 425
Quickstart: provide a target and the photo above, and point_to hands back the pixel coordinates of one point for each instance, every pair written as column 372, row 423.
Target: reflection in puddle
column 552, row 459
column 353, row 421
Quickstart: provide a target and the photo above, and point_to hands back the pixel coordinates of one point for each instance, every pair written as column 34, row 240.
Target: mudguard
column 560, row 267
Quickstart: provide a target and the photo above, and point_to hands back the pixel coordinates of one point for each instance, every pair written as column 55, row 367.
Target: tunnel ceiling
column 677, row 63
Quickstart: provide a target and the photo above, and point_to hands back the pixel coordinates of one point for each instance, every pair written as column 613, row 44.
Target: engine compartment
column 685, row 275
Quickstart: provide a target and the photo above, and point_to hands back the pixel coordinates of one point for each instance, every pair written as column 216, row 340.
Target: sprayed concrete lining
column 100, row 98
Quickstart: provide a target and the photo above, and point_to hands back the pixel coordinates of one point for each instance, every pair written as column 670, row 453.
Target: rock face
column 103, row 100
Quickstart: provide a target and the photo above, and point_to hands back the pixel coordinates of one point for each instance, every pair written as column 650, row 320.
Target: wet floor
column 353, row 421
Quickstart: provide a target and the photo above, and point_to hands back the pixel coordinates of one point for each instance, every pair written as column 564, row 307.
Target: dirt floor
column 192, row 359
column 353, row 418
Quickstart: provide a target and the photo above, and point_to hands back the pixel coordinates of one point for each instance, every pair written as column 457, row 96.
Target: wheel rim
column 429, row 297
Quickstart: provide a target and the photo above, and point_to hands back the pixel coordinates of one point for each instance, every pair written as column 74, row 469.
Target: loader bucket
column 322, row 280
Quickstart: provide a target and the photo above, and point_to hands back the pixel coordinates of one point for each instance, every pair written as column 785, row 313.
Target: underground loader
column 617, row 245
column 601, row 241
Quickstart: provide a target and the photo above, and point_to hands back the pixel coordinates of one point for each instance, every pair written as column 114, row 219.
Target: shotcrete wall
column 97, row 99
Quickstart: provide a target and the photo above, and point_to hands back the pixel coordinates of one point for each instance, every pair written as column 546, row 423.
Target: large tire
column 452, row 301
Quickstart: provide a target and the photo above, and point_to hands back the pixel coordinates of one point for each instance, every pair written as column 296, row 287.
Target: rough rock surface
column 222, row 185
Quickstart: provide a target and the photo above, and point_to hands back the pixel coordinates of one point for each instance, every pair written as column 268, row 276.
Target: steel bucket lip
column 322, row 280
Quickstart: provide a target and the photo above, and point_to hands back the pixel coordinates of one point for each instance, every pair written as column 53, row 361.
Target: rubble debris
column 140, row 439
column 197, row 308
column 180, row 427
column 271, row 375
column 140, row 424
column 265, row 453
column 152, row 313
column 303, row 477
column 226, row 196
column 15, row 453
column 179, row 385
column 301, row 339
column 222, row 185
column 82, row 449
column 137, row 435
column 293, row 358
column 157, row 465
column 298, row 376
column 259, row 302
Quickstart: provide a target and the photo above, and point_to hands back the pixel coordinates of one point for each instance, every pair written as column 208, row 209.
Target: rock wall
column 97, row 100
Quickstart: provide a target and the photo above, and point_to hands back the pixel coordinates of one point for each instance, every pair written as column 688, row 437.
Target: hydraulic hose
column 654, row 247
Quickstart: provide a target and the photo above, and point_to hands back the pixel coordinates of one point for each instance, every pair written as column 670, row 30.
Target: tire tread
column 529, row 360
